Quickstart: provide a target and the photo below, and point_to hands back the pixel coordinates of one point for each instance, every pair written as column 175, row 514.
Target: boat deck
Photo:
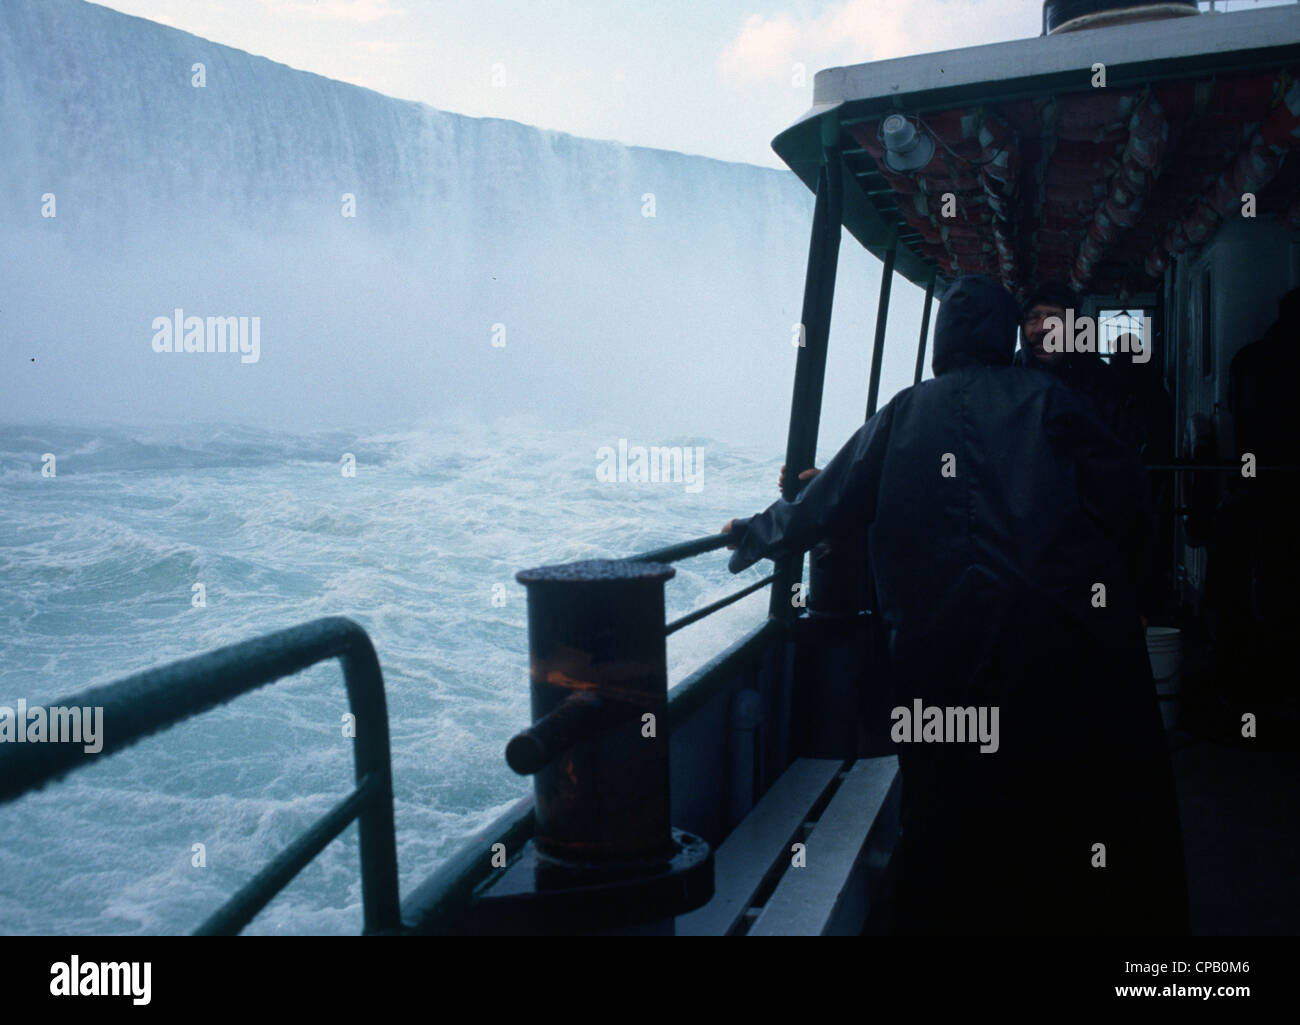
column 1240, row 811
column 1239, row 806
column 1238, row 803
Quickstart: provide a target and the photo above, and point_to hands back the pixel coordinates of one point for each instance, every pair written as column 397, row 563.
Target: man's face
column 1033, row 330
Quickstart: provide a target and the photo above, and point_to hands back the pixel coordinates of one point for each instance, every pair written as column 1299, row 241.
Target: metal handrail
column 143, row 704
column 721, row 603
column 687, row 550
column 684, row 549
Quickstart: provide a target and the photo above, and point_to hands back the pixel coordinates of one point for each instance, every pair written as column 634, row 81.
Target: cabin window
column 1207, row 321
column 1113, row 324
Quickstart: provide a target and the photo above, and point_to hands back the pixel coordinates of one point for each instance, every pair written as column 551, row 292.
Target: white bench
column 847, row 843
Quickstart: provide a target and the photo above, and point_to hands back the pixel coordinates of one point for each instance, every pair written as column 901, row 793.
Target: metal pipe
column 574, row 718
column 882, row 314
column 925, row 331
column 810, row 364
column 684, row 549
column 721, row 603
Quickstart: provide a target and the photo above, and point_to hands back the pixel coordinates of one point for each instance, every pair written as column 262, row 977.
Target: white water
column 475, row 460
column 97, row 567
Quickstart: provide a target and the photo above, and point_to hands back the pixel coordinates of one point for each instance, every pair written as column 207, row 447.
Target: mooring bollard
column 605, row 853
column 599, row 678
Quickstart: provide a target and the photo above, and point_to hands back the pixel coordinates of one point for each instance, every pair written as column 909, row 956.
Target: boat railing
column 687, row 550
column 143, row 704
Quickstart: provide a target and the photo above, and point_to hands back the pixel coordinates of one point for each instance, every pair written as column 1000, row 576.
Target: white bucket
column 1165, row 650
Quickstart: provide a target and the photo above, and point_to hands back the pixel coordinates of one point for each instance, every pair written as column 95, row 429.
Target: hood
column 977, row 324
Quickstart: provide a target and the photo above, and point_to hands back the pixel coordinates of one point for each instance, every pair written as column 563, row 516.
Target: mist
column 403, row 264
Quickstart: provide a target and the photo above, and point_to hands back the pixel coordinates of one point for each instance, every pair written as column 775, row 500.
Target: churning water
column 97, row 571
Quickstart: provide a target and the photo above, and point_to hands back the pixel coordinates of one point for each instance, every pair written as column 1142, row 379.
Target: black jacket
column 994, row 502
column 1037, row 499
column 1087, row 374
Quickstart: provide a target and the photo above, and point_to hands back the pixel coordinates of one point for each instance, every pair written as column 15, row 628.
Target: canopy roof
column 1052, row 177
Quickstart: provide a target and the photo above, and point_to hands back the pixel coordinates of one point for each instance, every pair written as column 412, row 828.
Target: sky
column 718, row 78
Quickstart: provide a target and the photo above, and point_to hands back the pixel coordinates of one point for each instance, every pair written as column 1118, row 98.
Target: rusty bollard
column 598, row 667
column 605, row 853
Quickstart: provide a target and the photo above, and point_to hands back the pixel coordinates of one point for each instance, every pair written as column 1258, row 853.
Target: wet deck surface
column 1240, row 811
column 1238, row 801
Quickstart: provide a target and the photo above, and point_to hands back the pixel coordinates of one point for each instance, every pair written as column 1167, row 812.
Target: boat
column 1147, row 153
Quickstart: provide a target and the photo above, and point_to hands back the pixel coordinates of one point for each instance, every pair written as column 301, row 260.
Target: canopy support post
column 810, row 364
column 925, row 331
column 882, row 313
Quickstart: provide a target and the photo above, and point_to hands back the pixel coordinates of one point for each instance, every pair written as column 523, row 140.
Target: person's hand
column 1143, row 618
column 726, row 529
column 808, row 474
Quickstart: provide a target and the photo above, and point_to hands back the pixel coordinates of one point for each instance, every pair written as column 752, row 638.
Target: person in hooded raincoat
column 1003, row 525
column 1085, row 372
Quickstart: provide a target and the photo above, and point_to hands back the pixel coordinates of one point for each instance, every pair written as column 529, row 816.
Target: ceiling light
column 906, row 149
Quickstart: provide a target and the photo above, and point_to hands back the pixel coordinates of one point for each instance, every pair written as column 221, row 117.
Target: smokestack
column 1073, row 15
